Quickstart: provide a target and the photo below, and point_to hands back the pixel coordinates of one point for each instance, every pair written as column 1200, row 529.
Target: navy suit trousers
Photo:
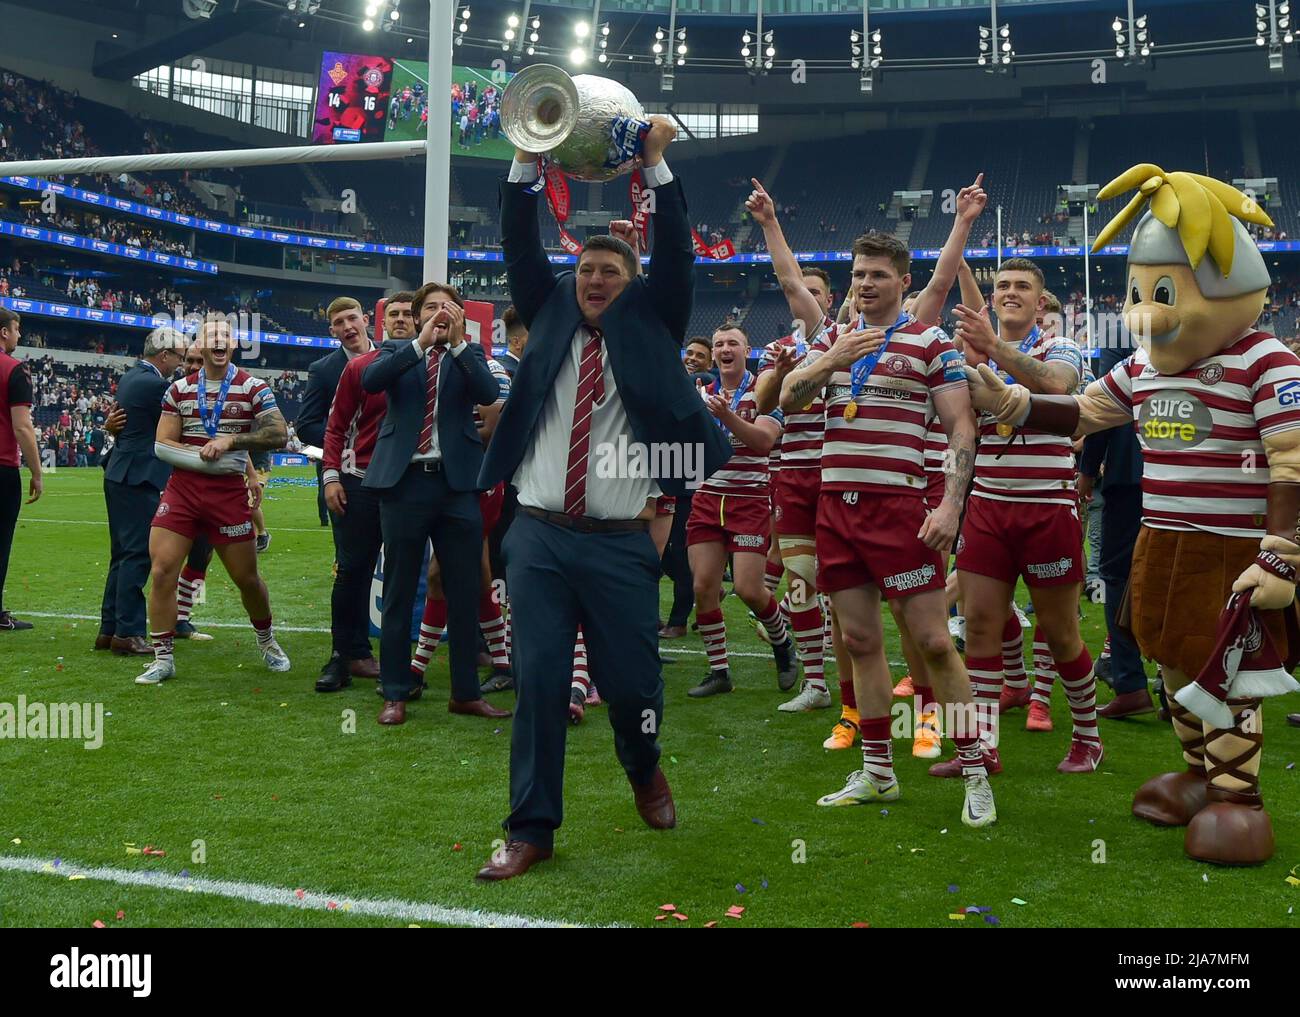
column 608, row 582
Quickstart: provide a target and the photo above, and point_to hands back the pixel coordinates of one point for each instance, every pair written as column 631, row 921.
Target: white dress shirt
column 541, row 475
column 435, row 450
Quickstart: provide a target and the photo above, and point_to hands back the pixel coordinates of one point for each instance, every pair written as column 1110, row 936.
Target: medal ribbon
column 741, row 389
column 860, row 371
column 212, row 419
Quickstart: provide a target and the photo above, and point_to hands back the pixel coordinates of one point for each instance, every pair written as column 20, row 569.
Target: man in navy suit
column 350, row 656
column 425, row 469
column 133, row 482
column 600, row 388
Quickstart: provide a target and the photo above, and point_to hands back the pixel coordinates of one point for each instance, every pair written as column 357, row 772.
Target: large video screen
column 352, row 102
column 475, row 108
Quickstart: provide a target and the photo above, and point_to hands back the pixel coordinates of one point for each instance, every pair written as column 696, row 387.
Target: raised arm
column 671, row 275
column 528, row 271
column 1058, row 376
column 970, row 203
column 803, row 305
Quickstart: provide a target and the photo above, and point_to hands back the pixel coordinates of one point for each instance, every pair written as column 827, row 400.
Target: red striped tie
column 430, row 400
column 591, row 390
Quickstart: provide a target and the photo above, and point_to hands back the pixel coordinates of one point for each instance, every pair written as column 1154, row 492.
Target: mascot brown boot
column 1172, row 799
column 1233, row 828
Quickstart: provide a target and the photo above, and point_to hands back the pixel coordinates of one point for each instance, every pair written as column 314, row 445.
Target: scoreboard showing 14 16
column 352, row 100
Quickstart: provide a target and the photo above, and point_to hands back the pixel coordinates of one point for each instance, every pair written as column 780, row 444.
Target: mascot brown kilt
column 1216, row 406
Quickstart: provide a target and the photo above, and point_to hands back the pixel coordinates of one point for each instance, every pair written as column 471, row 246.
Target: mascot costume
column 1216, row 406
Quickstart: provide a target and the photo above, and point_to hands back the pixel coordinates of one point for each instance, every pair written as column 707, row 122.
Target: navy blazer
column 1118, row 446
column 131, row 460
column 463, row 383
column 644, row 330
column 322, row 382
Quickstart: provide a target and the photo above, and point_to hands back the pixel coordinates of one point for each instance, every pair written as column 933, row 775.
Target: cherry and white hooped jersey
column 503, row 387
column 1028, row 466
column 800, row 444
column 1201, row 432
column 936, row 449
column 248, row 398
column 882, row 449
column 746, row 472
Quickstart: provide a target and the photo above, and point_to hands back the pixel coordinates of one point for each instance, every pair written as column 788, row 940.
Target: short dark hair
column 701, row 341
column 8, row 317
column 605, row 242
column 730, row 326
column 884, row 245
column 513, row 323
column 427, row 290
column 820, row 273
column 1024, row 265
column 400, row 297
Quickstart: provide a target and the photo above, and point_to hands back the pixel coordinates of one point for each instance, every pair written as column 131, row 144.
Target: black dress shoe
column 717, row 681
column 334, row 675
column 787, row 665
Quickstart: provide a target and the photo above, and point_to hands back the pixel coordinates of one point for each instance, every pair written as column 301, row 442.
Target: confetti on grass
column 1017, row 900
column 958, row 917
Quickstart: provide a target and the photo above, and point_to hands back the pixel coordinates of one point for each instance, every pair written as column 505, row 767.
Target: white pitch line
column 203, row 623
column 260, row 893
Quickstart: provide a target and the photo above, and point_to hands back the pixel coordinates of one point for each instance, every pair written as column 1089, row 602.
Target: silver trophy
column 586, row 124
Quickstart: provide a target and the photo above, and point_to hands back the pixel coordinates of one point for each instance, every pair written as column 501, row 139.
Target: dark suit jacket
column 1117, row 446
column 463, row 383
column 322, row 382
column 140, row 393
column 510, row 363
column 644, row 331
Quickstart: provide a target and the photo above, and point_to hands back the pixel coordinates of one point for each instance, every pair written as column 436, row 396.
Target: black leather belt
column 427, row 465
column 585, row 524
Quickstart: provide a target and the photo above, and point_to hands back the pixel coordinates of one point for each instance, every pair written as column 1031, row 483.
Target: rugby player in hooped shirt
column 730, row 513
column 1023, row 519
column 883, row 379
column 210, row 421
column 796, row 468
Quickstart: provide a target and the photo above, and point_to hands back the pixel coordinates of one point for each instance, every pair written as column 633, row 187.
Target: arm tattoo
column 269, row 433
column 1036, row 375
column 960, row 469
column 803, row 390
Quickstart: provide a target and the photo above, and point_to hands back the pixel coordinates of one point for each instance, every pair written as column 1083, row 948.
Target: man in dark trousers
column 425, row 469
column 16, row 435
column 134, row 479
column 322, row 383
column 1121, row 520
column 355, row 658
column 603, row 372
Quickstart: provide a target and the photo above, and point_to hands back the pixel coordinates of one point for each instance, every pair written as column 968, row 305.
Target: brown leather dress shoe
column 394, row 712
column 104, row 641
column 477, row 708
column 367, row 668
column 516, row 858
column 672, row 632
column 655, row 802
column 131, row 646
column 1128, row 704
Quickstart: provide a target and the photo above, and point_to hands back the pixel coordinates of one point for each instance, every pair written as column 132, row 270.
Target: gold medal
column 1005, row 430
column 850, row 411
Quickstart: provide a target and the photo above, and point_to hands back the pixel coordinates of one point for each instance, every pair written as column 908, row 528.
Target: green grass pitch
column 260, row 769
